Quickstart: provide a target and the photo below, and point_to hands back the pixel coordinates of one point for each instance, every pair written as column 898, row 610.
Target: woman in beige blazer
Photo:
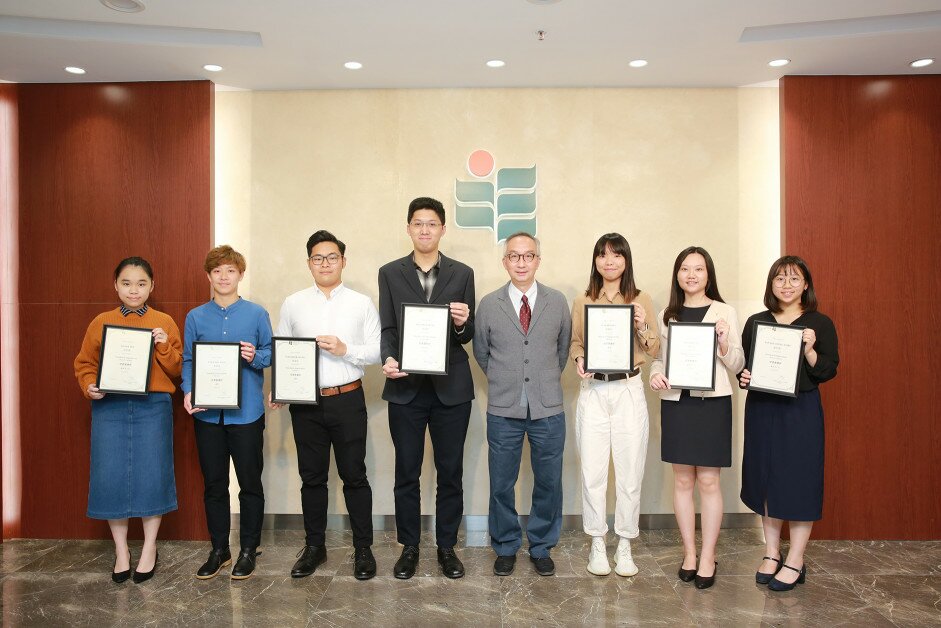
column 697, row 425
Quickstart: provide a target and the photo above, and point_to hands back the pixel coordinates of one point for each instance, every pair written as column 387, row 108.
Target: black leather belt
column 613, row 377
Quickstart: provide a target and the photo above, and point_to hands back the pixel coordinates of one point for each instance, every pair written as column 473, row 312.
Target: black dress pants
column 216, row 443
column 340, row 421
column 448, row 428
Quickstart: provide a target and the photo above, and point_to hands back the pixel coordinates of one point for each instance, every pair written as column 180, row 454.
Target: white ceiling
column 302, row 44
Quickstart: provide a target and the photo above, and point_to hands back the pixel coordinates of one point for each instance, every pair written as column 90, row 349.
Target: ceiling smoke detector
column 124, row 6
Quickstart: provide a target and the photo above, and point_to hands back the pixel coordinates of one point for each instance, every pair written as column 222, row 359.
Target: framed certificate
column 217, row 375
column 424, row 338
column 294, row 370
column 691, row 355
column 125, row 360
column 776, row 357
column 609, row 338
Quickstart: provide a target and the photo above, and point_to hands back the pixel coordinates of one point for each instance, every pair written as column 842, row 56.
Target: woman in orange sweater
column 132, row 435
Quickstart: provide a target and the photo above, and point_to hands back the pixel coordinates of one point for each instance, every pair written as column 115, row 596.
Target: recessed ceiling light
column 75, row 70
column 212, row 67
column 124, row 6
column 352, row 65
column 920, row 63
column 638, row 63
column 777, row 63
column 495, row 63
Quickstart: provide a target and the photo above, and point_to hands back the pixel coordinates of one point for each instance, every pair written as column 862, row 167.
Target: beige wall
column 666, row 167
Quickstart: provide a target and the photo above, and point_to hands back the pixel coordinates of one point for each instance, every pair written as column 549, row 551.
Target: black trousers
column 448, row 428
column 340, row 421
column 216, row 443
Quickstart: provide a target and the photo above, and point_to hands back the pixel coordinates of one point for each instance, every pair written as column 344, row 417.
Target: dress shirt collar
column 437, row 264
column 610, row 298
column 333, row 293
column 125, row 311
column 516, row 296
column 229, row 307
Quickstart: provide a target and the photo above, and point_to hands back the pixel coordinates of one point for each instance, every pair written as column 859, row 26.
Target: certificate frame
column 625, row 309
column 276, row 342
column 674, row 327
column 194, row 396
column 445, row 314
column 789, row 391
column 105, row 355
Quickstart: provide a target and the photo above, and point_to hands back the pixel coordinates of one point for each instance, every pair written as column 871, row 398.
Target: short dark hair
column 134, row 261
column 324, row 236
column 425, row 202
column 808, row 296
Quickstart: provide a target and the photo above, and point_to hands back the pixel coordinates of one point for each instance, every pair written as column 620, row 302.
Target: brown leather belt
column 613, row 377
column 339, row 390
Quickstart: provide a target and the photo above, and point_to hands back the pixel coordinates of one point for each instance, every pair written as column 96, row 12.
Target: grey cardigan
column 514, row 361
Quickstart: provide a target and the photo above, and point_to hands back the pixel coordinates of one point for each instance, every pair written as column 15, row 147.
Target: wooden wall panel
column 861, row 198
column 106, row 171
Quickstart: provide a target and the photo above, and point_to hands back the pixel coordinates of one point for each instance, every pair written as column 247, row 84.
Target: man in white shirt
column 346, row 326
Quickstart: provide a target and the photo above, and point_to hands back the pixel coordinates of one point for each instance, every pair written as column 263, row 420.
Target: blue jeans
column 546, row 441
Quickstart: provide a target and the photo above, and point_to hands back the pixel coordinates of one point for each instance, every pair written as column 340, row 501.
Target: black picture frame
column 406, row 307
column 800, row 359
column 238, row 356
column 275, row 398
column 101, row 359
column 667, row 355
column 630, row 336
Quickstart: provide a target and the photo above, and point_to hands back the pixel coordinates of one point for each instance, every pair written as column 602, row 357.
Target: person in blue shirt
column 230, row 434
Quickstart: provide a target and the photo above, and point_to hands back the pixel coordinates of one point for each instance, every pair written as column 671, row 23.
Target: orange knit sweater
column 168, row 356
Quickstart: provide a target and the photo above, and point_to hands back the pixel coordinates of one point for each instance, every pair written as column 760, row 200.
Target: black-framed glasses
column 330, row 260
column 526, row 257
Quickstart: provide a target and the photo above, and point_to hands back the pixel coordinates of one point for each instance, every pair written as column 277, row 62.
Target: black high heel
column 764, row 578
column 143, row 576
column 777, row 585
column 706, row 582
column 687, row 575
column 121, row 576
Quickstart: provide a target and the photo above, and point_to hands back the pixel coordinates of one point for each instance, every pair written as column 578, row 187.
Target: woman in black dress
column 697, row 425
column 782, row 464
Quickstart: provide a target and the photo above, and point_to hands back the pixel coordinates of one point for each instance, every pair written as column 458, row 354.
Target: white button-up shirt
column 516, row 297
column 350, row 316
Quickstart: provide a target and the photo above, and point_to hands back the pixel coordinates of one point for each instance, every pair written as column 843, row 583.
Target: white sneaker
column 598, row 559
column 625, row 565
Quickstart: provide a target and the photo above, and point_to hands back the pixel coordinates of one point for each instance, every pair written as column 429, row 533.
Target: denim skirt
column 131, row 457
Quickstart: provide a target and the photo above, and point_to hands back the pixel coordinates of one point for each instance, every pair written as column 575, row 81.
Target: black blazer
column 398, row 284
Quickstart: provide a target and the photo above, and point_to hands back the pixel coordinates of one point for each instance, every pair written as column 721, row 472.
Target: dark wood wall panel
column 106, row 171
column 861, row 198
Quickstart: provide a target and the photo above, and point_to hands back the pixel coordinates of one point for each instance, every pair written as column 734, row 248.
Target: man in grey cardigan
column 521, row 342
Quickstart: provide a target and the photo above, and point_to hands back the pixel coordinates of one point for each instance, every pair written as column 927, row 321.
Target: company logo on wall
column 502, row 200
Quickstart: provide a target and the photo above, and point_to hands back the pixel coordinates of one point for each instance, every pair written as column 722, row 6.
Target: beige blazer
column 733, row 360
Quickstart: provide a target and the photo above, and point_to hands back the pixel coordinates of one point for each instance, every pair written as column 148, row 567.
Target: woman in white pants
column 611, row 414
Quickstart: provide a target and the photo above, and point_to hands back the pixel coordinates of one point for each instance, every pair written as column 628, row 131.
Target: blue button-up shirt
column 243, row 321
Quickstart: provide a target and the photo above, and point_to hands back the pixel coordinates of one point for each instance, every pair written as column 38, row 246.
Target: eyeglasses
column 526, row 257
column 794, row 280
column 319, row 260
column 419, row 224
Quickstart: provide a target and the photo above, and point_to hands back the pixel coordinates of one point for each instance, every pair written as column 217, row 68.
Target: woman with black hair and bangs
column 782, row 462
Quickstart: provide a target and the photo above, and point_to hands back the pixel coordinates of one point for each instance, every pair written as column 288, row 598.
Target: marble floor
column 848, row 583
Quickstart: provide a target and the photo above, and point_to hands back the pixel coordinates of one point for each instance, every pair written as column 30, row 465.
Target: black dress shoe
column 451, row 565
column 309, row 558
column 245, row 565
column 144, row 576
column 777, row 585
column 503, row 565
column 218, row 558
column 764, row 578
column 121, row 576
column 686, row 575
column 405, row 566
column 704, row 582
column 364, row 563
column 544, row 566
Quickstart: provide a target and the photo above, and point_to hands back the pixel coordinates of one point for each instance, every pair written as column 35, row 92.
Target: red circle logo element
column 480, row 163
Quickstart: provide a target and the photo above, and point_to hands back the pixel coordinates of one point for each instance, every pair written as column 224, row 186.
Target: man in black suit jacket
column 440, row 403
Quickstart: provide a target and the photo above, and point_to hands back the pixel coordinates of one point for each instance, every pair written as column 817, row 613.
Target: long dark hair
column 808, row 296
column 677, row 296
column 619, row 245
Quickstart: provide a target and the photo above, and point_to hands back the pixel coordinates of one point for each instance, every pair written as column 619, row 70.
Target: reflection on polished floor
column 848, row 583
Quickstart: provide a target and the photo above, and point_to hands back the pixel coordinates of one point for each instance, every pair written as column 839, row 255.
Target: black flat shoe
column 451, row 565
column 764, row 578
column 686, row 575
column 544, row 566
column 121, row 576
column 407, row 563
column 777, row 585
column 144, row 576
column 708, row 581
column 504, row 565
column 310, row 557
column 218, row 558
column 245, row 565
column 364, row 563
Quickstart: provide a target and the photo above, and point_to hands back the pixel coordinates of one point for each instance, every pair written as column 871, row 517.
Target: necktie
column 525, row 315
